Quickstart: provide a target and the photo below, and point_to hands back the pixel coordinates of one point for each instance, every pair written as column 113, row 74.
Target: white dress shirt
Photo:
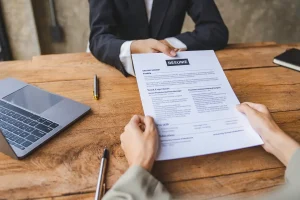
column 125, row 53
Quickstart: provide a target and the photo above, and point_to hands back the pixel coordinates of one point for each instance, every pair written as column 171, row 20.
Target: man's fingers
column 246, row 109
column 164, row 49
column 153, row 51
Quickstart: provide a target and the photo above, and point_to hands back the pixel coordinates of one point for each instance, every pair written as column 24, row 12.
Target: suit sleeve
column 210, row 31
column 104, row 43
column 137, row 184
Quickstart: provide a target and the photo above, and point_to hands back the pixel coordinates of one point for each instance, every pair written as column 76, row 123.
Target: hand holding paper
column 192, row 103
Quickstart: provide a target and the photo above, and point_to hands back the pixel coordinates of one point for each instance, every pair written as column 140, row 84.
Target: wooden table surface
column 67, row 166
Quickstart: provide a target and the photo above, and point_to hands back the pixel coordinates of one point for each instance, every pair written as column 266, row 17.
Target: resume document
column 192, row 103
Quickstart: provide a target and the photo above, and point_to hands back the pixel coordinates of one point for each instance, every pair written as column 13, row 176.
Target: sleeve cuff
column 292, row 174
column 139, row 173
column 125, row 57
column 177, row 44
column 137, row 183
column 141, row 181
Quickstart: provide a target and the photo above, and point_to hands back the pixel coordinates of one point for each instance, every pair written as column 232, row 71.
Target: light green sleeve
column 292, row 174
column 291, row 189
column 137, row 184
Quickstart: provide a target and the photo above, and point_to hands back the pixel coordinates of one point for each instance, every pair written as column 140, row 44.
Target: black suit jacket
column 113, row 22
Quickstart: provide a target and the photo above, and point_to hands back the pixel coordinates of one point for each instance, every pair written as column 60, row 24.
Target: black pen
column 100, row 190
column 96, row 87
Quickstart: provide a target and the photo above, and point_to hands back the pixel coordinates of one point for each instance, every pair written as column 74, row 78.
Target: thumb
column 246, row 109
column 164, row 49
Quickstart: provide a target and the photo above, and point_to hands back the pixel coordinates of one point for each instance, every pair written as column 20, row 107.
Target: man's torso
column 167, row 18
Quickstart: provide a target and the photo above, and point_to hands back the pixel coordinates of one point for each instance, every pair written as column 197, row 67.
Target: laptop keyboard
column 22, row 128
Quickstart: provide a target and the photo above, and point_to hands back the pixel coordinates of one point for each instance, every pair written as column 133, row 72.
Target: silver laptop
column 30, row 116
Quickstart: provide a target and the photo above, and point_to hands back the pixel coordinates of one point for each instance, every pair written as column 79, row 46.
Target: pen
column 100, row 190
column 96, row 87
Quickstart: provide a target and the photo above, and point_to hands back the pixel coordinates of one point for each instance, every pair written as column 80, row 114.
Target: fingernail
column 173, row 53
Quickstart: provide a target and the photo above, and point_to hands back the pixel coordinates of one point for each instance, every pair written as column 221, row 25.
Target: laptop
column 29, row 116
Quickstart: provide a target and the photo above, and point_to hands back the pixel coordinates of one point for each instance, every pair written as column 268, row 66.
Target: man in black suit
column 122, row 27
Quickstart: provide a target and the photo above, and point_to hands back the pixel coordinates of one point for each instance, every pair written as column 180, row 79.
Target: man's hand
column 276, row 141
column 151, row 46
column 170, row 46
column 140, row 142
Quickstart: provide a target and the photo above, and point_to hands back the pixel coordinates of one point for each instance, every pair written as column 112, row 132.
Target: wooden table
column 67, row 166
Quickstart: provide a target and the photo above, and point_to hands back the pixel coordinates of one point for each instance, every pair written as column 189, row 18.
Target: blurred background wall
column 21, row 29
column 28, row 23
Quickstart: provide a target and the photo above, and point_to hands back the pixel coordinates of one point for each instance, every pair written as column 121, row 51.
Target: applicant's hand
column 140, row 142
column 276, row 141
column 151, row 46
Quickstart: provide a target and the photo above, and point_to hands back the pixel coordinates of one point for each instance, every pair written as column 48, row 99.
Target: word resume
column 192, row 103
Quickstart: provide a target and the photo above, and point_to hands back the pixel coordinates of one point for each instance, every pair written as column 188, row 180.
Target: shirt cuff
column 177, row 44
column 125, row 57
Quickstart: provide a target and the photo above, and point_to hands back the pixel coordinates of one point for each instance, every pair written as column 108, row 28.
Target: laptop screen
column 33, row 99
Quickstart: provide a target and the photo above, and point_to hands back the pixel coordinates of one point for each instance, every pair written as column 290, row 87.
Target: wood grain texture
column 237, row 186
column 251, row 57
column 82, row 66
column 68, row 164
column 235, row 196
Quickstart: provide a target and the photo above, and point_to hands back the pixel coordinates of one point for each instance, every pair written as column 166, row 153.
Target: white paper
column 192, row 103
